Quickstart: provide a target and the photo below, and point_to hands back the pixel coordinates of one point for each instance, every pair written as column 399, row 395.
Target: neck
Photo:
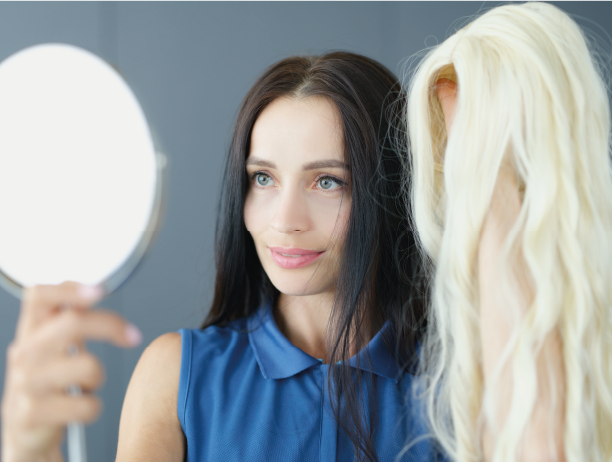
column 304, row 320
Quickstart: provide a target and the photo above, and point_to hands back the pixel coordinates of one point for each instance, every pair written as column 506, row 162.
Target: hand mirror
column 80, row 178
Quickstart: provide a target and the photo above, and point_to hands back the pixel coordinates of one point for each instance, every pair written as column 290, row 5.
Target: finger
column 57, row 409
column 73, row 327
column 447, row 94
column 84, row 370
column 40, row 302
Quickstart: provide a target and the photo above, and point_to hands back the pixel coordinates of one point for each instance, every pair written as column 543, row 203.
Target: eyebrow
column 260, row 162
column 324, row 164
column 330, row 163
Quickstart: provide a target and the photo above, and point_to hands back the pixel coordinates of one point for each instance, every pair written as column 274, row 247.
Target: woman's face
column 297, row 206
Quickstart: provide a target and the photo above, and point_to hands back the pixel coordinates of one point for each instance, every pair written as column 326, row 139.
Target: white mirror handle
column 77, row 446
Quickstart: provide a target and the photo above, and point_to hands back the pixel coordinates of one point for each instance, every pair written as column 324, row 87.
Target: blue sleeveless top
column 248, row 394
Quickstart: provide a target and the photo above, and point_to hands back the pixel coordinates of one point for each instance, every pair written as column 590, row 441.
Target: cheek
column 332, row 218
column 256, row 213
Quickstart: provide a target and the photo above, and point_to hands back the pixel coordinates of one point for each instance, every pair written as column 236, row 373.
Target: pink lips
column 293, row 257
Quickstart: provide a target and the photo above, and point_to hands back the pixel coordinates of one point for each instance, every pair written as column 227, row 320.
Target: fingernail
column 133, row 335
column 90, row 292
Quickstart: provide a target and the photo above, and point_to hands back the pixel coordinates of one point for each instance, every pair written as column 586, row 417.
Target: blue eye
column 329, row 183
column 263, row 179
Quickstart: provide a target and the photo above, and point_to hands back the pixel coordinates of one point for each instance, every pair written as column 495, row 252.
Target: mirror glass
column 80, row 177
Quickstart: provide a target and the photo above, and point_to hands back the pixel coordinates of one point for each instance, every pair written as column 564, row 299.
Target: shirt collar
column 278, row 358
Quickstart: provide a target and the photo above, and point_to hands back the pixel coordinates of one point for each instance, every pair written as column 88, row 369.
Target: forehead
column 299, row 130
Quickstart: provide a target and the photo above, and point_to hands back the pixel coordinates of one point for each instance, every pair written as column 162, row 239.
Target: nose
column 291, row 214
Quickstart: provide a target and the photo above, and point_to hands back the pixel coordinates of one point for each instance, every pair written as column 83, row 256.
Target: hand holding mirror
column 80, row 198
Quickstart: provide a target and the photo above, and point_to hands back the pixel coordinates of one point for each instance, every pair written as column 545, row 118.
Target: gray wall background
column 191, row 64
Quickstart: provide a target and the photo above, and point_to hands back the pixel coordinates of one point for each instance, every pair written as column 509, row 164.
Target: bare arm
column 150, row 429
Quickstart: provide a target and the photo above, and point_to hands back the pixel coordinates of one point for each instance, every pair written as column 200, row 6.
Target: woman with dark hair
column 309, row 348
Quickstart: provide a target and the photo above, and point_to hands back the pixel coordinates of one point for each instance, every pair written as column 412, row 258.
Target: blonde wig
column 530, row 96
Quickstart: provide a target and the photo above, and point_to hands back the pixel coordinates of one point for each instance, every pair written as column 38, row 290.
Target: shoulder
column 214, row 340
column 212, row 360
column 149, row 409
column 158, row 369
column 159, row 366
column 165, row 350
column 208, row 351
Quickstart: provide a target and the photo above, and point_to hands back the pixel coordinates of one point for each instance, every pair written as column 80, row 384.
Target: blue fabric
column 247, row 394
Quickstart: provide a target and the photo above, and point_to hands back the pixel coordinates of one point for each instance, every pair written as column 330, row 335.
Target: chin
column 296, row 284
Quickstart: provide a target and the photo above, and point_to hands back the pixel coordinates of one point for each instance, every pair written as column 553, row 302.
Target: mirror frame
column 119, row 276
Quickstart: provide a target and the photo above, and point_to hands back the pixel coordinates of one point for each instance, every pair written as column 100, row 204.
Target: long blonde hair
column 530, row 93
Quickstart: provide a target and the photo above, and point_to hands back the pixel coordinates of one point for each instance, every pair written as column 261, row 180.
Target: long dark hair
column 380, row 278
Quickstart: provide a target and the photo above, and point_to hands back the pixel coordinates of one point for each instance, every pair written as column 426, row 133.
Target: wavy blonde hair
column 531, row 94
